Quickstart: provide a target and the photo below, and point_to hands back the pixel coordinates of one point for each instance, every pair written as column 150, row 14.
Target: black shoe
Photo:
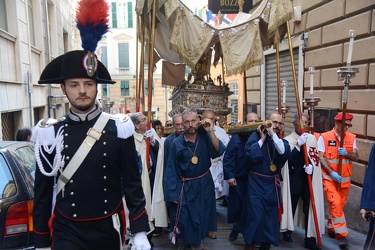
column 233, row 235
column 310, row 243
column 265, row 246
column 225, row 201
column 157, row 232
column 287, row 236
column 343, row 243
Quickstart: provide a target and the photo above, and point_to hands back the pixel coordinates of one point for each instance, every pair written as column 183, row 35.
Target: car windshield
column 7, row 185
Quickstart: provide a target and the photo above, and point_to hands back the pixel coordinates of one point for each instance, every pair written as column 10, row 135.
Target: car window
column 26, row 156
column 7, row 185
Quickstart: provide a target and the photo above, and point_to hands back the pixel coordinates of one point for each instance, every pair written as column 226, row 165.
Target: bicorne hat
column 74, row 64
column 92, row 23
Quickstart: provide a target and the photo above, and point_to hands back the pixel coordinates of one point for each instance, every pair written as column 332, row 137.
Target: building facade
column 32, row 33
column 320, row 39
column 118, row 51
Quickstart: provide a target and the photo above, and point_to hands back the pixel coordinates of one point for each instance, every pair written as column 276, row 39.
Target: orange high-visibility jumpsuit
column 337, row 197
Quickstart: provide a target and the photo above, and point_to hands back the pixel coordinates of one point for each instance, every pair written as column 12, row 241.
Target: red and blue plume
column 92, row 22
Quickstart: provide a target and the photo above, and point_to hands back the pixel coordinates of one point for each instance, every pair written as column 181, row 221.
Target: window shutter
column 123, row 50
column 286, row 74
column 114, row 15
column 130, row 15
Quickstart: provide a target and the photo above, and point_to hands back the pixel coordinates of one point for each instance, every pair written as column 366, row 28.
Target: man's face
column 210, row 115
column 81, row 93
column 297, row 125
column 159, row 130
column 348, row 124
column 191, row 123
column 251, row 118
column 141, row 128
column 168, row 124
column 277, row 123
column 178, row 125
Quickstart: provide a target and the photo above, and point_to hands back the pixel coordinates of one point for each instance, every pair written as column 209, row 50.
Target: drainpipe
column 48, row 56
column 28, row 73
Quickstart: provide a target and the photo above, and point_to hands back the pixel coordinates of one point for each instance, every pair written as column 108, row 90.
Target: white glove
column 43, row 248
column 141, row 242
column 302, row 139
column 308, row 169
column 150, row 134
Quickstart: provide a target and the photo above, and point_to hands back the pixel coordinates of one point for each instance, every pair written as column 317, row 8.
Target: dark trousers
column 370, row 240
column 92, row 235
column 304, row 194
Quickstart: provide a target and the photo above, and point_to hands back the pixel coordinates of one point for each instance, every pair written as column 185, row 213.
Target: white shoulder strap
column 93, row 135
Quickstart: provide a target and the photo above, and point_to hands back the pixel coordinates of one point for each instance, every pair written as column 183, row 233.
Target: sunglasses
column 348, row 125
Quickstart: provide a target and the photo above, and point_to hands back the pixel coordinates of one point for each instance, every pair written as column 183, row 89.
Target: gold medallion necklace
column 194, row 158
column 272, row 165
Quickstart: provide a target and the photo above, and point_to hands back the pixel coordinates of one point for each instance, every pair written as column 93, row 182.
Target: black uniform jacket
column 95, row 190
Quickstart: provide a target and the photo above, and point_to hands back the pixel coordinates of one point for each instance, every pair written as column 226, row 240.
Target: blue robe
column 260, row 218
column 167, row 146
column 198, row 199
column 368, row 197
column 235, row 164
column 171, row 207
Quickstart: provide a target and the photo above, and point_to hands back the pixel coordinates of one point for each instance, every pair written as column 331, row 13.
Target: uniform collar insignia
column 83, row 117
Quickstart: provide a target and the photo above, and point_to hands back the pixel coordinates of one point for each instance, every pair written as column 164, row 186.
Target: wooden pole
column 245, row 97
column 278, row 77
column 342, row 132
column 137, row 94
column 142, row 71
column 302, row 130
column 150, row 77
column 276, row 45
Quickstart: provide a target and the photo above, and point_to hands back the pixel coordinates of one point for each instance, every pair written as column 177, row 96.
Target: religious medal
column 273, row 167
column 194, row 160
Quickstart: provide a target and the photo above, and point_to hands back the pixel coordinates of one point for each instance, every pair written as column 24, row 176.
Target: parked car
column 17, row 171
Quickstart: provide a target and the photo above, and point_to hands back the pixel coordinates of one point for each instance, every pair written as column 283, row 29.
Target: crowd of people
column 92, row 167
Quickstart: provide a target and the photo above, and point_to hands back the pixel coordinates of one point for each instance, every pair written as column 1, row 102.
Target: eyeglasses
column 278, row 123
column 348, row 125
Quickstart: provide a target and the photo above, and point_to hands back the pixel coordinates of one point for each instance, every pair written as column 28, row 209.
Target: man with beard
column 189, row 179
column 267, row 154
column 91, row 158
column 235, row 171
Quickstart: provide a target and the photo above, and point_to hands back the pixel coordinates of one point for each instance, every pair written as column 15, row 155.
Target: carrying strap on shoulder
column 93, row 135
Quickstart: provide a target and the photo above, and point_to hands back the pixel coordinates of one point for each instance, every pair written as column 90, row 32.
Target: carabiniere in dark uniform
column 96, row 184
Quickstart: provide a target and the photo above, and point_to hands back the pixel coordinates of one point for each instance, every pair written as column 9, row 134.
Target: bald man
column 235, row 164
column 267, row 154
